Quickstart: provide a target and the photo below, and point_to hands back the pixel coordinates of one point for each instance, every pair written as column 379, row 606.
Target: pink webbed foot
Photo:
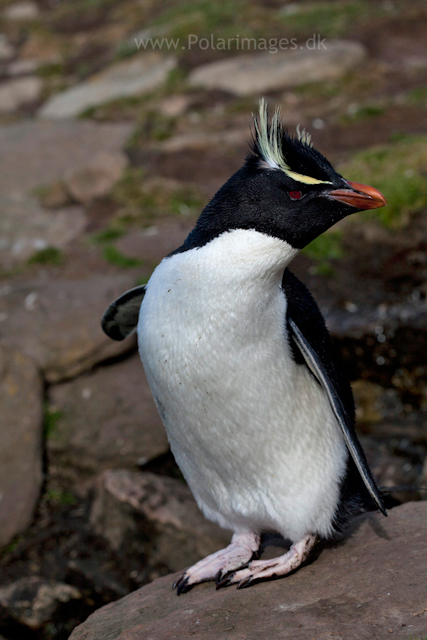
column 262, row 569
column 214, row 567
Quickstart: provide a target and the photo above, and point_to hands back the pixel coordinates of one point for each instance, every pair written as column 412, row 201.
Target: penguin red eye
column 295, row 195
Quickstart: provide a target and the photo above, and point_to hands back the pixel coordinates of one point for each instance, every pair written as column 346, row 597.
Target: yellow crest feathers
column 269, row 137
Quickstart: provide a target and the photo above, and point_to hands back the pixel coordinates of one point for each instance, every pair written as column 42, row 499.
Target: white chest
column 251, row 430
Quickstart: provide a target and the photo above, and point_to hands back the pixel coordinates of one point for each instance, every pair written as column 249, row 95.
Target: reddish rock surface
column 371, row 586
column 156, row 512
column 20, row 441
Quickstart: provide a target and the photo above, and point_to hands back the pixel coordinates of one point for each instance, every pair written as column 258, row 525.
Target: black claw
column 183, row 586
column 245, row 582
column 219, row 576
column 180, row 583
column 225, row 581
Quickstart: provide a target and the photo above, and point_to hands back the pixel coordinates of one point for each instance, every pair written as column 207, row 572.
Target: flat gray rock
column 97, row 177
column 141, row 74
column 22, row 67
column 6, row 49
column 19, row 92
column 156, row 242
column 21, row 417
column 25, row 226
column 57, row 322
column 21, row 11
column 65, row 145
column 263, row 72
column 107, row 419
column 372, row 586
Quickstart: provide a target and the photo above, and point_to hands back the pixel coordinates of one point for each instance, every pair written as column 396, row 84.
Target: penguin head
column 286, row 189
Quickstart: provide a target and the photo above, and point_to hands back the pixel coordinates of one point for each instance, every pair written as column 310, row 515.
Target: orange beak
column 360, row 196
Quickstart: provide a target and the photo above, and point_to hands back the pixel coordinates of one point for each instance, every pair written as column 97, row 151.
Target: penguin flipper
column 311, row 338
column 121, row 317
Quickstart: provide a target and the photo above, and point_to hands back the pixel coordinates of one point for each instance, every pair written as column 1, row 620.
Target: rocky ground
column 339, row 595
column 108, row 152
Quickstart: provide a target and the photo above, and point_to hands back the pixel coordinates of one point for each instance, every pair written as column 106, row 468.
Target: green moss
column 51, row 69
column 47, row 256
column 128, row 107
column 330, row 19
column 112, row 255
column 107, row 235
column 60, row 498
column 10, row 548
column 355, row 86
column 417, row 96
column 398, row 171
column 363, row 111
column 41, row 191
column 79, row 14
column 125, row 49
column 400, row 136
column 206, row 19
column 141, row 200
column 152, row 125
column 243, row 105
column 51, row 418
column 202, row 13
column 323, row 250
column 83, row 70
column 316, row 90
column 175, row 82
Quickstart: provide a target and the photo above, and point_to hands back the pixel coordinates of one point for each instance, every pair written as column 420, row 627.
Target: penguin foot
column 239, row 552
column 275, row 567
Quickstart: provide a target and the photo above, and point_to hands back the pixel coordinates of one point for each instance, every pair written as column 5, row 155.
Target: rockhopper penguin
column 259, row 414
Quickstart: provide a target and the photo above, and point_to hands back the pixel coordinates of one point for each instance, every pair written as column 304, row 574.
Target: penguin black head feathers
column 286, row 189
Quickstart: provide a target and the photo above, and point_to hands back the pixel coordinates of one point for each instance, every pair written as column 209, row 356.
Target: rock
column 21, row 11
column 372, row 339
column 19, row 92
column 424, row 478
column 24, row 225
column 6, row 49
column 263, row 72
column 395, row 445
column 175, row 105
column 201, row 140
column 156, row 512
column 27, row 228
column 54, row 195
column 371, row 586
column 23, row 67
column 45, row 47
column 392, row 469
column 34, row 601
column 96, row 178
column 107, row 419
column 57, row 322
column 65, row 145
column 154, row 243
column 21, row 417
column 374, row 403
column 138, row 75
